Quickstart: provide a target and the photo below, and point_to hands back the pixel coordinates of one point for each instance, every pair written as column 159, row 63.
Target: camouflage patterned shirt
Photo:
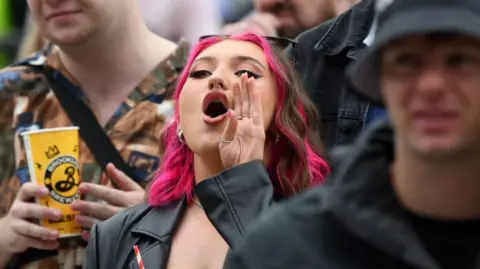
column 27, row 102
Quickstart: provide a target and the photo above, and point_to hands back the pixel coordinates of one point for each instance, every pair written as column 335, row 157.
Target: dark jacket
column 223, row 199
column 354, row 222
column 321, row 56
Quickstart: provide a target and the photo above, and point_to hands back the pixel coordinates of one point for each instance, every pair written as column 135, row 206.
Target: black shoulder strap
column 89, row 129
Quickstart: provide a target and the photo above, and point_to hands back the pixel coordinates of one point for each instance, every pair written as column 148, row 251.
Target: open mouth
column 215, row 104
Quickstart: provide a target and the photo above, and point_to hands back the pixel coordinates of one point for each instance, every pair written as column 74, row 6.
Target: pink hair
column 175, row 177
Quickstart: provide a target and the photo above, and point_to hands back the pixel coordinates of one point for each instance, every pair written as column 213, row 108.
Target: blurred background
column 172, row 19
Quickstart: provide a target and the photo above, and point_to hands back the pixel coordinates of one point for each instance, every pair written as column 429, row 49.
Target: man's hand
column 128, row 194
column 18, row 233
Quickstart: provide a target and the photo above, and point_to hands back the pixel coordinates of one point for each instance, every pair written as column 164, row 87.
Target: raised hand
column 128, row 194
column 243, row 138
column 17, row 233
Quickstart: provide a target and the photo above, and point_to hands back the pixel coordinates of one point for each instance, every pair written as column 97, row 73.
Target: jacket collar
column 160, row 222
column 349, row 29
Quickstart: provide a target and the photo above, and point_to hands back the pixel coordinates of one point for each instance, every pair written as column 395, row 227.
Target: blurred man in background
column 288, row 18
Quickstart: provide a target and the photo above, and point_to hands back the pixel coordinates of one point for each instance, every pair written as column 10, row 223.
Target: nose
column 432, row 82
column 217, row 83
column 268, row 5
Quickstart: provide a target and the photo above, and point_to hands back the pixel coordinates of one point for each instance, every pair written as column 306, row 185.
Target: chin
column 203, row 143
column 438, row 146
column 69, row 37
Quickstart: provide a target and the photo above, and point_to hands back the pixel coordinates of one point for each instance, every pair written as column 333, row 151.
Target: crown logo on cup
column 52, row 152
column 381, row 5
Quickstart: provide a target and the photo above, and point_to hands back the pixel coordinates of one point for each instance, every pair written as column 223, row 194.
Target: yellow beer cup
column 53, row 161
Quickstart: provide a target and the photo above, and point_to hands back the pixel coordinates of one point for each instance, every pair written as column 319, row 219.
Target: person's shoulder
column 109, row 239
column 166, row 74
column 180, row 55
column 313, row 35
column 22, row 78
column 338, row 155
column 123, row 221
column 306, row 43
column 284, row 235
column 11, row 77
column 338, row 29
column 297, row 210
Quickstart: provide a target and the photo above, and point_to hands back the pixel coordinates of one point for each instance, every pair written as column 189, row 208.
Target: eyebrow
column 238, row 58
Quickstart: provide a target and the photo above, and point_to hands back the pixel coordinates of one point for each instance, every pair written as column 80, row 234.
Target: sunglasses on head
column 279, row 42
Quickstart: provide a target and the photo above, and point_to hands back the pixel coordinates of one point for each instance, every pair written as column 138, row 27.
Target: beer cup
column 52, row 156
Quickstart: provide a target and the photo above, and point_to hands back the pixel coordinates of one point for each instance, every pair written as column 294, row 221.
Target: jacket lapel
column 154, row 234
column 153, row 256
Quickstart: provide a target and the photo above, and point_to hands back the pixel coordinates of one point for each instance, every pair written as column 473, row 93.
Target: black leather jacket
column 231, row 200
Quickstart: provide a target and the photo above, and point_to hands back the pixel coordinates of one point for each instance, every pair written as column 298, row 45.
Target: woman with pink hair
column 243, row 136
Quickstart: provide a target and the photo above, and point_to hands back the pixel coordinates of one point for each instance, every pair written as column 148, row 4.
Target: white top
column 174, row 19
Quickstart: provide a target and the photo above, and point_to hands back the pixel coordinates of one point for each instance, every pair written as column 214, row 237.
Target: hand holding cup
column 18, row 228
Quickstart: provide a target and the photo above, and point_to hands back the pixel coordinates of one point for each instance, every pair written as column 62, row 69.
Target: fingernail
column 75, row 205
column 83, row 188
column 78, row 219
column 85, row 235
column 56, row 213
column 53, row 234
column 43, row 191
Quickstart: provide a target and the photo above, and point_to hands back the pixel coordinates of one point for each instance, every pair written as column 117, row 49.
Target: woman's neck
column 206, row 167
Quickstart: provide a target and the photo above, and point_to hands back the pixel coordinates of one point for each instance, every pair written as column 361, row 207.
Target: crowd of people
column 307, row 134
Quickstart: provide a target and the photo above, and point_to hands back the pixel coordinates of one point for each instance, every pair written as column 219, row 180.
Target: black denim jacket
column 322, row 55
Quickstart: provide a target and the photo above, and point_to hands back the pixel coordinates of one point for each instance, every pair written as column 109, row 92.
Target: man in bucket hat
column 407, row 194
